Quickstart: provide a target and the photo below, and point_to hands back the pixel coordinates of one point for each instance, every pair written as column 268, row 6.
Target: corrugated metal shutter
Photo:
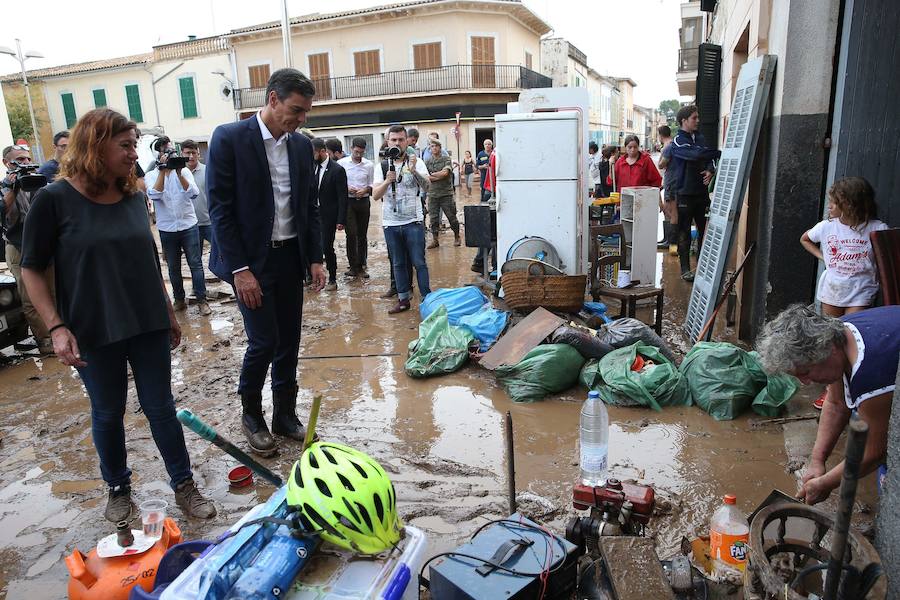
column 709, row 84
column 747, row 111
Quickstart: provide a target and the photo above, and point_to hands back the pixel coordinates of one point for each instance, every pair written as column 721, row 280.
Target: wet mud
column 441, row 439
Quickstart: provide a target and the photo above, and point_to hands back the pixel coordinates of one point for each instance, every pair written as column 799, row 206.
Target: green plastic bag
column 441, row 347
column 725, row 381
column 656, row 386
column 547, row 369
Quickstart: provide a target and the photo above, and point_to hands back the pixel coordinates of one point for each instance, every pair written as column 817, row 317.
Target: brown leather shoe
column 389, row 294
column 401, row 306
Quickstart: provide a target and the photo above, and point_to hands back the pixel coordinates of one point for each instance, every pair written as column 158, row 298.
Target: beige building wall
column 395, row 39
column 213, row 107
column 81, row 87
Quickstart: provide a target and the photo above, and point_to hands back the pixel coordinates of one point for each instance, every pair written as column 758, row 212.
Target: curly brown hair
column 84, row 157
column 855, row 198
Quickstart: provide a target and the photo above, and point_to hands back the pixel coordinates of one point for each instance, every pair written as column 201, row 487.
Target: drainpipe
column 153, row 83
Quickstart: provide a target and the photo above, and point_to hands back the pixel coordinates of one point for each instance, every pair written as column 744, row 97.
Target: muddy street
column 440, row 439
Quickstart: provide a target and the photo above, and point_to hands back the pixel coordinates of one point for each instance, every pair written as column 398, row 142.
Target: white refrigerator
column 540, row 184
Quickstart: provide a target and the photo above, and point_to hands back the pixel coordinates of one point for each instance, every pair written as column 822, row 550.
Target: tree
column 19, row 119
column 669, row 108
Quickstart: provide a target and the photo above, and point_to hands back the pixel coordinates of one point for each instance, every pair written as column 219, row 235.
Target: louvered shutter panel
column 709, row 84
column 747, row 111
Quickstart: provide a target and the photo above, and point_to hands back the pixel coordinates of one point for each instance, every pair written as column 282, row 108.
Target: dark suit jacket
column 242, row 204
column 333, row 194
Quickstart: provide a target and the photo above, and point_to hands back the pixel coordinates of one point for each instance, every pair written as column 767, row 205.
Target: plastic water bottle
column 594, row 440
column 729, row 538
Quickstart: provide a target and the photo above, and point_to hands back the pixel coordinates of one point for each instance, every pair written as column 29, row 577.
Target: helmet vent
column 323, row 487
column 365, row 515
column 346, row 482
column 379, row 507
column 313, row 462
column 347, row 523
column 329, row 456
column 359, row 468
column 320, row 522
column 350, row 509
column 392, row 497
column 298, row 476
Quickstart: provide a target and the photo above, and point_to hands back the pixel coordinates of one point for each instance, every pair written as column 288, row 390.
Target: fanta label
column 730, row 549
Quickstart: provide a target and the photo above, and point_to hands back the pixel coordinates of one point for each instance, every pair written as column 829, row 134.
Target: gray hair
column 798, row 337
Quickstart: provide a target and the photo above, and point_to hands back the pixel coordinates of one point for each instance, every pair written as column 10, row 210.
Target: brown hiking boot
column 119, row 506
column 192, row 502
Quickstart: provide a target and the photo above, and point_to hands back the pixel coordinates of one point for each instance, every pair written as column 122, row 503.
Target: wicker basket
column 528, row 289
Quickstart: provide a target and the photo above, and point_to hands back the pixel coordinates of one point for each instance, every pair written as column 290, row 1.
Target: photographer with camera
column 18, row 188
column 172, row 188
column 400, row 181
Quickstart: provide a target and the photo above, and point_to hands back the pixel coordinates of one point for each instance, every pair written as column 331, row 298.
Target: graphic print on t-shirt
column 848, row 256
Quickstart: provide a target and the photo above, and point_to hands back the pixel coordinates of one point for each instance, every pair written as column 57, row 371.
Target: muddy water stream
column 440, row 439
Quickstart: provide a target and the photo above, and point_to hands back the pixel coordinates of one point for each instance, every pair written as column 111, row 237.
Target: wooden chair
column 886, row 248
column 627, row 297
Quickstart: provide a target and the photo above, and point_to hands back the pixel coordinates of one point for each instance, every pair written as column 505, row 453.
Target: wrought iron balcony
column 411, row 82
column 688, row 59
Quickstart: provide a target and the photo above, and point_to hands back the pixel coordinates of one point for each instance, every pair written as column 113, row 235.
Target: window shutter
column 99, row 98
column 133, row 96
column 367, row 63
column 259, row 76
column 188, row 97
column 709, row 80
column 427, row 56
column 68, row 102
column 320, row 74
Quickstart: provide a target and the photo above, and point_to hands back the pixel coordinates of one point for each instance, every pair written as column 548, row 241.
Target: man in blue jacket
column 265, row 218
column 690, row 169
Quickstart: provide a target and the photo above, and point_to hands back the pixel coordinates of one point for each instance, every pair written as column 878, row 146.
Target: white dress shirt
column 174, row 205
column 360, row 175
column 279, row 169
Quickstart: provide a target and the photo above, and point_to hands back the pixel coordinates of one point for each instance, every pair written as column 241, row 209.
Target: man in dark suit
column 262, row 203
column 332, row 183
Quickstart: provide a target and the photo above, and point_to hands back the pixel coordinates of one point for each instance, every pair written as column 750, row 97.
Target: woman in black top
column 468, row 172
column 112, row 309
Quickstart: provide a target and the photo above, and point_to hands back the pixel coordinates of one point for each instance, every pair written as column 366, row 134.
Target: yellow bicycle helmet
column 345, row 496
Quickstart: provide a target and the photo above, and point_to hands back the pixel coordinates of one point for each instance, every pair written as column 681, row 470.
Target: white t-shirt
column 850, row 276
column 405, row 207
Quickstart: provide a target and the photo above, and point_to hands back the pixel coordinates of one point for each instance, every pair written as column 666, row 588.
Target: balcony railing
column 688, row 59
column 410, row 82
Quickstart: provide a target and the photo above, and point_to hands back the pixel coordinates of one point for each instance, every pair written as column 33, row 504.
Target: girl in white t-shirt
column 849, row 283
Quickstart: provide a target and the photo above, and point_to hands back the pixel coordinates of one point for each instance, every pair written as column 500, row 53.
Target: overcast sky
column 635, row 38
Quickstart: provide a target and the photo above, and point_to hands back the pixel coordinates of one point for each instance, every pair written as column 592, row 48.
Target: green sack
column 547, row 369
column 725, row 380
column 656, row 386
column 441, row 347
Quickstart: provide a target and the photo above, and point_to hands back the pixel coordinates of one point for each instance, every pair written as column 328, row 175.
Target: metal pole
column 39, row 153
column 510, row 463
column 286, row 34
column 856, row 446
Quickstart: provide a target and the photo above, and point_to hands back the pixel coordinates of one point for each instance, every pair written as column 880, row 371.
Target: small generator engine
column 615, row 509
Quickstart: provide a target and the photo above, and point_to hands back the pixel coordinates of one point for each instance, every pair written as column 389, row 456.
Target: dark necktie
column 318, row 172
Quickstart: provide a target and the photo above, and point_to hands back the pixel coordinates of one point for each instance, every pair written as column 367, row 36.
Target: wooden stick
column 311, row 424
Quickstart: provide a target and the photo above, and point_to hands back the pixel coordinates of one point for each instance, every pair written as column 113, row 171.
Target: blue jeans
column 173, row 242
column 407, row 243
column 106, row 379
column 205, row 234
column 273, row 329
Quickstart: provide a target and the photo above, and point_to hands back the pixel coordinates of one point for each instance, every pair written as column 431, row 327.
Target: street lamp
column 17, row 54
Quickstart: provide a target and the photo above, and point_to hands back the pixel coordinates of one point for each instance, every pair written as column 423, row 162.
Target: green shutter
column 68, row 102
column 99, row 98
column 188, row 97
column 133, row 96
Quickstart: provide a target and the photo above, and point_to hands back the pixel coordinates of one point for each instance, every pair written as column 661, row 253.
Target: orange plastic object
column 95, row 578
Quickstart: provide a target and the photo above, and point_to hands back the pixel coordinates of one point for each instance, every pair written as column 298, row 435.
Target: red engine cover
column 641, row 496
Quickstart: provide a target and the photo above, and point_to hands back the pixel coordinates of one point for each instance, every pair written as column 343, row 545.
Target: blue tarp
column 458, row 301
column 486, row 325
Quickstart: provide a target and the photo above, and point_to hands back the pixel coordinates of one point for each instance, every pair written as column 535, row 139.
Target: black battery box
column 517, row 544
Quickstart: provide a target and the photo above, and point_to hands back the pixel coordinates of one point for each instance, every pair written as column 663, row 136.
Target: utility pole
column 17, row 54
column 286, row 34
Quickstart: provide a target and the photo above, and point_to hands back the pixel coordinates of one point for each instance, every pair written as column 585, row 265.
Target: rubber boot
column 284, row 415
column 253, row 424
column 684, row 256
column 664, row 243
column 434, row 241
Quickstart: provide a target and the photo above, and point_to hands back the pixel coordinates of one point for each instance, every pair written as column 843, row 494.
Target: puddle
column 441, row 439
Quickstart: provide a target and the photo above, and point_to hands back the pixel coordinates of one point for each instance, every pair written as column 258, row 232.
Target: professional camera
column 174, row 161
column 27, row 178
column 391, row 152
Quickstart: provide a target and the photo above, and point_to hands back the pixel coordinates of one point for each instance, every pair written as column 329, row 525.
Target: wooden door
column 320, row 74
column 483, row 74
